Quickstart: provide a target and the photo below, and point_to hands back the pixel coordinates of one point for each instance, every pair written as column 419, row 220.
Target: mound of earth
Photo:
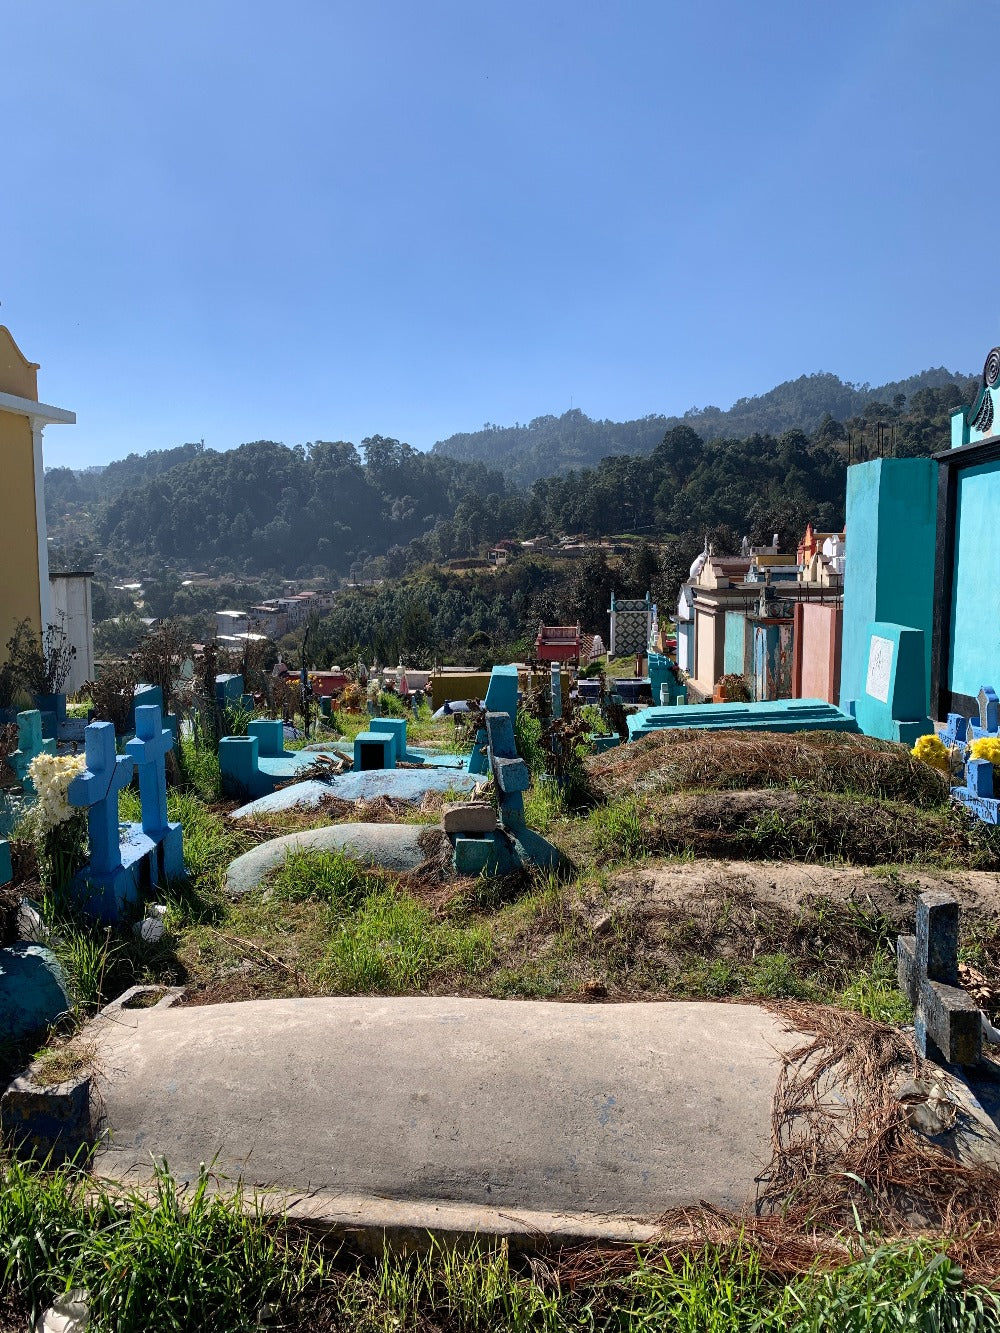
column 677, row 760
column 807, row 825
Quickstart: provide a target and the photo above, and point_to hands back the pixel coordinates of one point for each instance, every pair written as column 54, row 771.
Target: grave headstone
column 892, row 702
column 96, row 789
column 30, row 744
column 892, row 521
column 947, row 1023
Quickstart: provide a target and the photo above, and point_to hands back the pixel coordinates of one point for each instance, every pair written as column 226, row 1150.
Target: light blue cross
column 97, row 787
column 148, row 747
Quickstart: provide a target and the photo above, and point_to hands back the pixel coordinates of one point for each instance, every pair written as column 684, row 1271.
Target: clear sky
column 325, row 220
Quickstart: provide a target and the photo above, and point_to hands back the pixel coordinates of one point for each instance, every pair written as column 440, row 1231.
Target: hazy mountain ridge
column 550, row 445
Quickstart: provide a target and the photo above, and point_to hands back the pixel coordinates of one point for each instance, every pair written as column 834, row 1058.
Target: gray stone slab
column 394, row 846
column 490, row 1109
column 401, row 784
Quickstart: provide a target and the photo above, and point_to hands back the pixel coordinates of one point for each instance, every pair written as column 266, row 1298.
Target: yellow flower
column 932, row 750
column 987, row 747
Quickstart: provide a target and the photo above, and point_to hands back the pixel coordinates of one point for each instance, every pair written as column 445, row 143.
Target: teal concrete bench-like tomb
column 253, row 765
column 774, row 715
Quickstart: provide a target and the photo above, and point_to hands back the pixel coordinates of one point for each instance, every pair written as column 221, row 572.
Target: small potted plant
column 731, row 689
column 43, row 666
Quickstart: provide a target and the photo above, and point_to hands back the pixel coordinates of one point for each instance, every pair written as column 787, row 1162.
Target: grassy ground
column 150, row 1264
column 628, row 919
column 696, row 868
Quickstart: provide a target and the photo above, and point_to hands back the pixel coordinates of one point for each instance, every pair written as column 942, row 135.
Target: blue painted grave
column 892, row 702
column 374, row 750
column 111, row 879
column 774, row 715
column 30, row 744
column 978, row 792
column 253, row 765
column 513, row 845
column 396, row 728
column 149, row 748
column 125, row 858
column 501, row 697
column 662, row 678
column 53, row 711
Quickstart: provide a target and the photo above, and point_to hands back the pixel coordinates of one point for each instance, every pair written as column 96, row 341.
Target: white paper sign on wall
column 879, row 668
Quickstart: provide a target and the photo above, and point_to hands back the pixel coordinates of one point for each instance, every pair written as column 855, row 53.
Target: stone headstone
column 947, row 1022
column 892, row 704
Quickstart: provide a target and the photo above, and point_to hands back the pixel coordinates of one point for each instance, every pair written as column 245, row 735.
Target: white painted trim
column 44, row 591
column 27, row 407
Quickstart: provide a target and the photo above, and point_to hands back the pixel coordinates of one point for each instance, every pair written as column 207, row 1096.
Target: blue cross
column 97, row 787
column 148, row 747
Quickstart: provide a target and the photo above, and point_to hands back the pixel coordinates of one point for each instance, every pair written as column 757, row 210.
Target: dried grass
column 682, row 759
column 844, row 1152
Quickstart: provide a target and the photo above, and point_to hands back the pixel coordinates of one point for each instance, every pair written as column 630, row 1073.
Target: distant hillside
column 552, row 445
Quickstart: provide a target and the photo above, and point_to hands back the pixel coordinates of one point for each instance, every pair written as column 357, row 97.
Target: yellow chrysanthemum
column 932, row 750
column 987, row 747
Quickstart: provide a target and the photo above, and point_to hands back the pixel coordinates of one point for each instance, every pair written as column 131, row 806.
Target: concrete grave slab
column 401, row 784
column 392, row 846
column 422, row 1108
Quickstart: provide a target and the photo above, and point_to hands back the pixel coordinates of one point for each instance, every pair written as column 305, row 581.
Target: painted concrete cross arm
column 97, row 789
column 148, row 748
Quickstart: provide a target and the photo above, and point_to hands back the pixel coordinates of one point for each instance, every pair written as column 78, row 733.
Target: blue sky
column 321, row 220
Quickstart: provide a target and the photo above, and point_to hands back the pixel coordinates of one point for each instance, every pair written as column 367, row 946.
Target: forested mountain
column 551, row 445
column 265, row 510
column 315, row 508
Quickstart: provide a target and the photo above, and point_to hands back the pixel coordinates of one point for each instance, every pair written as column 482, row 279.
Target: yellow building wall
column 448, row 686
column 20, row 594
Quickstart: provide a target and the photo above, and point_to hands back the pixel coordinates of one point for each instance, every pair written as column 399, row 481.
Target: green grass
column 173, row 1261
column 379, row 939
column 875, row 994
column 618, row 831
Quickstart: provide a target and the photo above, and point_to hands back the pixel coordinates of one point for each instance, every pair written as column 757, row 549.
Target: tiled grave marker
column 948, row 1025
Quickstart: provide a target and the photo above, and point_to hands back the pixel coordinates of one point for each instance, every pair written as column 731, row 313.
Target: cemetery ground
column 774, row 869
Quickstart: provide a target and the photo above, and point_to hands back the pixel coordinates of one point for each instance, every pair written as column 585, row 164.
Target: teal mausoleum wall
column 889, row 574
column 975, row 604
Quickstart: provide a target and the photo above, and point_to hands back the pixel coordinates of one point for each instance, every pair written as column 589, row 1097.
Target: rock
column 470, row 817
column 33, row 991
column 67, row 1314
column 150, row 930
column 602, row 924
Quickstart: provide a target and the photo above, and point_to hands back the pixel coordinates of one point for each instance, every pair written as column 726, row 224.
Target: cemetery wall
column 817, row 645
column 975, row 628
column 892, row 530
